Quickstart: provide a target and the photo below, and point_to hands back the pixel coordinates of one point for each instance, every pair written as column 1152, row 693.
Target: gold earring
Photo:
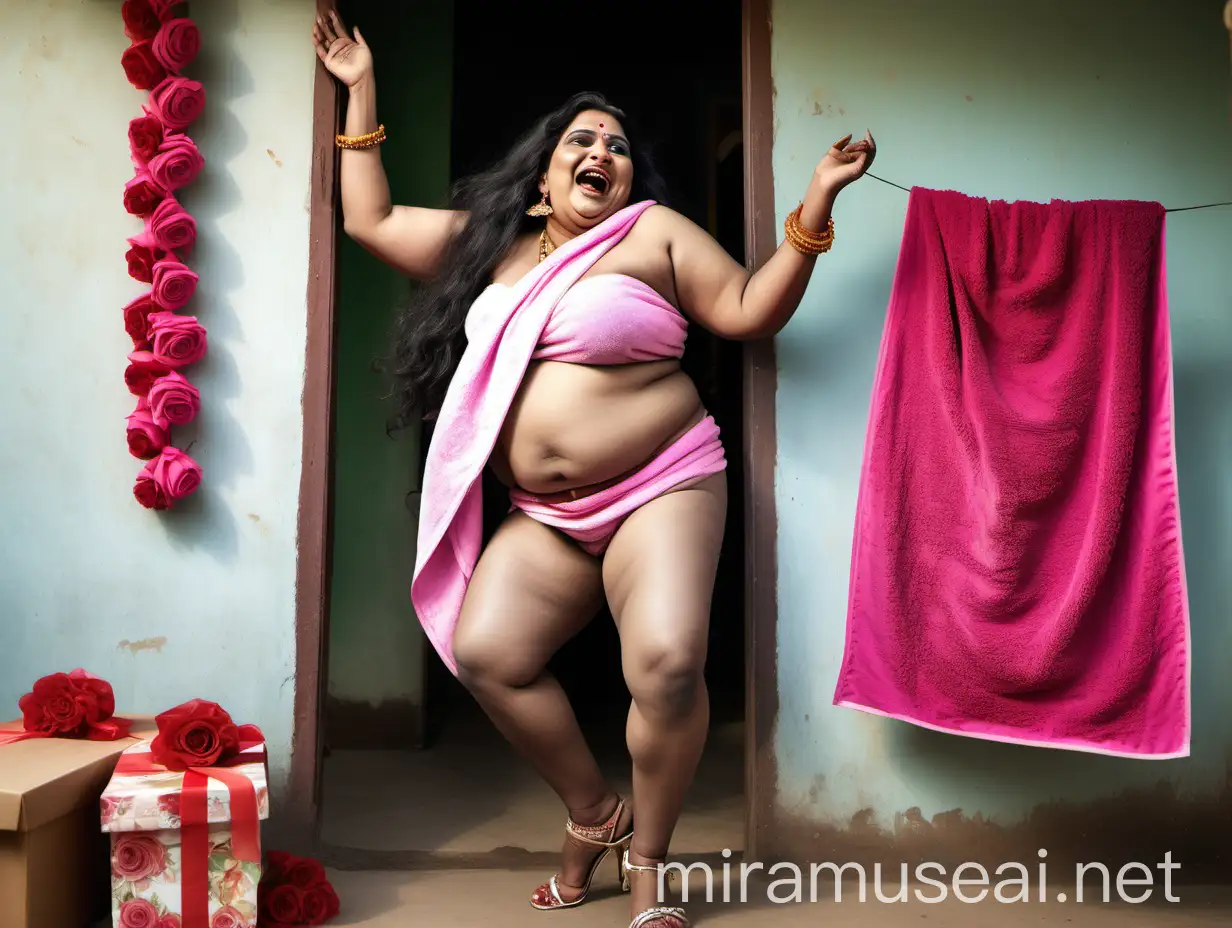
column 542, row 208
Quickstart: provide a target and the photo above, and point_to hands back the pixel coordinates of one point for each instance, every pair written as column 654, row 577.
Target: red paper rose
column 140, row 20
column 137, row 857
column 145, row 438
column 194, row 734
column 142, row 195
column 173, row 400
column 177, row 102
column 145, row 134
column 171, row 226
column 283, row 904
column 141, row 257
column 177, row 44
column 142, row 372
column 136, row 320
column 174, row 284
column 177, row 340
column 94, row 696
column 175, row 473
column 52, row 706
column 177, row 162
column 142, row 68
column 138, row 913
column 148, row 493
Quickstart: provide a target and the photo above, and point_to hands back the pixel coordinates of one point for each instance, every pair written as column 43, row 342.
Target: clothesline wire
column 1178, row 209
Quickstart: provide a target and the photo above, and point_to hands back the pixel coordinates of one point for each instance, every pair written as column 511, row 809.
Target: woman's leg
column 531, row 592
column 659, row 573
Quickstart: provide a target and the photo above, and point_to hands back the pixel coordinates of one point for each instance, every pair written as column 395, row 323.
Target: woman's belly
column 571, row 425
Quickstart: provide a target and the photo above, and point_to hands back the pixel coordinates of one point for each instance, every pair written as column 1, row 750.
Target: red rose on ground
column 304, row 872
column 136, row 319
column 51, row 706
column 142, row 372
column 177, row 162
column 145, row 134
column 176, row 474
column 173, row 400
column 140, row 20
column 142, row 68
column 177, row 340
column 194, row 734
column 177, row 44
column 171, row 226
column 177, row 102
column 137, row 857
column 138, row 913
column 142, row 195
column 148, row 493
column 320, row 904
column 145, row 438
column 283, row 904
column 174, row 284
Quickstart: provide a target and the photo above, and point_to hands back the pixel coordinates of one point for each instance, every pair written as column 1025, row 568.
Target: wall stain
column 145, row 644
column 273, row 157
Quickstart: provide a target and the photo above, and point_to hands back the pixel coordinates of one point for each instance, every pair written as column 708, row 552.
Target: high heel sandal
column 603, row 835
column 673, row 915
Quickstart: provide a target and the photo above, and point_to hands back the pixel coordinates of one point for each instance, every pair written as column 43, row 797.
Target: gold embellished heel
column 602, row 836
column 667, row 916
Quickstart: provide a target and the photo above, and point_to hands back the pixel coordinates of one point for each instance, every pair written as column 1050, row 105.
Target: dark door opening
column 507, row 64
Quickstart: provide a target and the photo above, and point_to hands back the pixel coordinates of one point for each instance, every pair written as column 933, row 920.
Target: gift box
column 50, row 847
column 185, row 844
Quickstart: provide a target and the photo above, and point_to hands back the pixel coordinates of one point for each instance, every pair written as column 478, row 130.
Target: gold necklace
column 546, row 245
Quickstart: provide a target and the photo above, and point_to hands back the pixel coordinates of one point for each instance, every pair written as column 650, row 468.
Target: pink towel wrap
column 1017, row 572
column 504, row 329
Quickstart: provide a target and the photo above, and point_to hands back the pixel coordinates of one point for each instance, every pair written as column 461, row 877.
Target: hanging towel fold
column 1017, row 570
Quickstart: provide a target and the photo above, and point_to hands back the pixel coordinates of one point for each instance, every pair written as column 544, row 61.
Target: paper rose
column 177, row 102
column 173, row 400
column 142, row 195
column 171, row 226
column 174, row 284
column 145, row 134
column 177, row 44
column 143, row 70
column 176, row 163
column 145, row 438
column 176, row 341
column 142, row 373
column 136, row 320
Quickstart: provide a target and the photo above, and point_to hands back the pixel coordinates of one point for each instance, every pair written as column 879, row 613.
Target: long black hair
column 429, row 337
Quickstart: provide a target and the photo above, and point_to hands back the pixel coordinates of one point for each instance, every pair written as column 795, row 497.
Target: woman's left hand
column 845, row 162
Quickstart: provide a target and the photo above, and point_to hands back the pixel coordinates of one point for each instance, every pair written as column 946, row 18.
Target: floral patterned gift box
column 185, row 844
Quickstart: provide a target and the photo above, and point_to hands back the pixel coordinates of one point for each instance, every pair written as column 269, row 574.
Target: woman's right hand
column 349, row 60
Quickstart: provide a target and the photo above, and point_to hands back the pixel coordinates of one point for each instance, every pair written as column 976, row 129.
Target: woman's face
column 590, row 174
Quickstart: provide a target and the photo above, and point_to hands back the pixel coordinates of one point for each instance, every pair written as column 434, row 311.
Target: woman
column 547, row 344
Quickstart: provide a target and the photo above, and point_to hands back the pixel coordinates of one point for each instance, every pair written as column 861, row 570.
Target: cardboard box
column 53, row 862
column 141, row 812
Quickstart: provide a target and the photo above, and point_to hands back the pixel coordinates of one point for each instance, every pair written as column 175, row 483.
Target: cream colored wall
column 198, row 602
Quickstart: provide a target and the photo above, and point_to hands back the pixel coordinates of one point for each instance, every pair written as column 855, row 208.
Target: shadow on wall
column 216, row 439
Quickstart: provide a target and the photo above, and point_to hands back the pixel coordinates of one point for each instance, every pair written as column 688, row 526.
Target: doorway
column 687, row 100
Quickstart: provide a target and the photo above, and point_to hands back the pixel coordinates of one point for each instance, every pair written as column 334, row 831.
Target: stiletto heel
column 670, row 916
column 602, row 836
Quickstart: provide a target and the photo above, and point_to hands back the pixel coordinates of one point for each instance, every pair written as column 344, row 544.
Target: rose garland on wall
column 165, row 160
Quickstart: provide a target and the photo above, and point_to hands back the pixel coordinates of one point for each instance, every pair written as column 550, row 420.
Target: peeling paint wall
column 1054, row 99
column 198, row 603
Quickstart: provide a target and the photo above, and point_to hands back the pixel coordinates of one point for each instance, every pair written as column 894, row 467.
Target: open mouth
column 594, row 180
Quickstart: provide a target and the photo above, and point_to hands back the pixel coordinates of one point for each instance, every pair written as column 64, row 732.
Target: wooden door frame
column 300, row 808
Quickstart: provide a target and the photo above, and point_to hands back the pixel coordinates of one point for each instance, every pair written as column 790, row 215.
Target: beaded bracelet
column 361, row 142
column 804, row 240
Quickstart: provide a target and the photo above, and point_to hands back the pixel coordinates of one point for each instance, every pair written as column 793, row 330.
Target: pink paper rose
column 177, row 44
column 142, row 195
column 177, row 163
column 145, row 438
column 136, row 320
column 138, row 913
column 177, row 102
column 174, row 284
column 136, row 857
column 173, row 400
column 177, row 340
column 145, row 134
column 143, row 70
column 174, row 473
column 143, row 371
column 171, row 226
column 228, row 917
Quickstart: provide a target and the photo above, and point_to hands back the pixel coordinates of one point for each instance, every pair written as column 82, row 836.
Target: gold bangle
column 360, row 142
column 804, row 240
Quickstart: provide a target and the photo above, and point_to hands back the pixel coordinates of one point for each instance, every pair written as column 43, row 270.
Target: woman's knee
column 485, row 664
column 665, row 681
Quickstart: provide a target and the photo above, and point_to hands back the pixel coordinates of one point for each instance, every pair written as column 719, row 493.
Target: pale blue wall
column 1009, row 101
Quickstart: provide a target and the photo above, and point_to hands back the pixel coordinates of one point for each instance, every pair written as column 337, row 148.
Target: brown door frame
column 301, row 807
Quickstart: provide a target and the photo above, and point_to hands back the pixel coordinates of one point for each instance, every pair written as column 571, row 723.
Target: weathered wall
column 1076, row 101
column 199, row 602
column 376, row 656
